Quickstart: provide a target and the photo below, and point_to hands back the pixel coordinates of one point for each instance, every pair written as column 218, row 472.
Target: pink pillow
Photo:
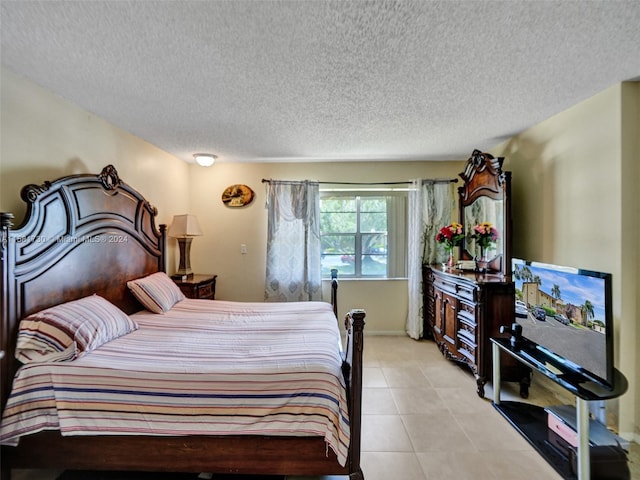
column 156, row 292
column 70, row 330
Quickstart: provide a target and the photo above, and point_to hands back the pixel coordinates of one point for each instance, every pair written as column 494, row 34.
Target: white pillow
column 69, row 330
column 157, row 292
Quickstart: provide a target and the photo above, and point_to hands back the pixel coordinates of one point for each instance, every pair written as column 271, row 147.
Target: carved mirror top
column 482, row 176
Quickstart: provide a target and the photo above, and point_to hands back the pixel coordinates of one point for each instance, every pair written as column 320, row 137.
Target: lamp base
column 184, row 245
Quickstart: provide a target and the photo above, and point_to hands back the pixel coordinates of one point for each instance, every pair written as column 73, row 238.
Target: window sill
column 376, row 279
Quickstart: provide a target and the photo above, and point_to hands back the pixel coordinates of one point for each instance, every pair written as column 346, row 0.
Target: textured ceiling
column 323, row 80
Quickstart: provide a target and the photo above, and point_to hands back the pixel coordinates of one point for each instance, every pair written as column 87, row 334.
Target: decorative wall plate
column 237, row 195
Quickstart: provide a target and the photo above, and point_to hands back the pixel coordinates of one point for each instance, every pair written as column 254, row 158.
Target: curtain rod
column 451, row 180
column 443, row 180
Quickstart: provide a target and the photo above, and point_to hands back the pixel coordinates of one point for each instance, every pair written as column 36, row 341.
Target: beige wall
column 241, row 277
column 44, row 137
column 630, row 333
column 575, row 178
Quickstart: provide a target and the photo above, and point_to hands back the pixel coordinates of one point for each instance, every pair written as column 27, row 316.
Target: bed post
column 6, row 370
column 334, row 290
column 162, row 259
column 352, row 369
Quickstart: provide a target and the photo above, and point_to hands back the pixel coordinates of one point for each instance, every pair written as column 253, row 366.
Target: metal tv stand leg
column 496, row 373
column 582, row 420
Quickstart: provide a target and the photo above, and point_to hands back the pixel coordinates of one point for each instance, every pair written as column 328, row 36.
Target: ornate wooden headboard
column 82, row 234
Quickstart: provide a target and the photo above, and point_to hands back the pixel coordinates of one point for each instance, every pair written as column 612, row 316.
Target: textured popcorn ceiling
column 323, row 80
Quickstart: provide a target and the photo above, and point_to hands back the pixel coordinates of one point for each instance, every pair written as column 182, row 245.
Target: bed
column 87, row 235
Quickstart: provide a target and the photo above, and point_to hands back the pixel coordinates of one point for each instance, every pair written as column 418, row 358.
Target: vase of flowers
column 485, row 236
column 450, row 237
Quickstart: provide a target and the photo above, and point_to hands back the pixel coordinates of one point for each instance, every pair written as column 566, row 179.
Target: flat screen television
column 568, row 312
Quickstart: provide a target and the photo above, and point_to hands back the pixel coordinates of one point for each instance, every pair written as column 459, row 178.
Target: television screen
column 567, row 311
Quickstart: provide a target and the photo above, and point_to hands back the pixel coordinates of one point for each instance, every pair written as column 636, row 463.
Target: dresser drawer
column 462, row 290
column 468, row 292
column 468, row 310
column 205, row 291
column 445, row 285
column 467, row 326
column 198, row 286
column 467, row 345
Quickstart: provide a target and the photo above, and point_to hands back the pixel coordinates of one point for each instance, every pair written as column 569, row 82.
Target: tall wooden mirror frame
column 485, row 181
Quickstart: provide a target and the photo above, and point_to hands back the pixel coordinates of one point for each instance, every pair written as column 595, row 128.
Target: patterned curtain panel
column 430, row 208
column 293, row 242
column 437, row 210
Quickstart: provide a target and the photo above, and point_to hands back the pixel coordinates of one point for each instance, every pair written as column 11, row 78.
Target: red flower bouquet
column 450, row 236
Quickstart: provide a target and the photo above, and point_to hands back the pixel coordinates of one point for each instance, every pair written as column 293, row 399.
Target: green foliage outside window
column 354, row 235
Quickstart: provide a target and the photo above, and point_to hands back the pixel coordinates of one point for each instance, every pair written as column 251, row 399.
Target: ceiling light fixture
column 205, row 159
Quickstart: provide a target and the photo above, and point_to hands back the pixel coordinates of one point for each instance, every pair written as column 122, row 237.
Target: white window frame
column 397, row 201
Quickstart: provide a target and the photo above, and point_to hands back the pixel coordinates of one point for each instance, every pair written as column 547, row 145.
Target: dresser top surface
column 469, row 276
column 196, row 278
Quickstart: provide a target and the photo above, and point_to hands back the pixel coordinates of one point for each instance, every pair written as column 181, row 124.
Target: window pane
column 338, row 204
column 373, row 214
column 373, row 222
column 338, row 251
column 335, row 222
column 374, row 265
column 374, row 258
column 345, row 265
column 373, row 204
column 338, row 244
column 374, row 243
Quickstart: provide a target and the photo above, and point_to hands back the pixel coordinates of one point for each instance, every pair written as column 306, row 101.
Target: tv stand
column 531, row 420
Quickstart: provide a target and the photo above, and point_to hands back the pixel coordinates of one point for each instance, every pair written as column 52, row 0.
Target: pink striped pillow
column 70, row 330
column 156, row 292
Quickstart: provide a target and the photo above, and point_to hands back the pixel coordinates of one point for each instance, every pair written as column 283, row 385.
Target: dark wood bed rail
column 334, row 291
column 352, row 370
column 237, row 454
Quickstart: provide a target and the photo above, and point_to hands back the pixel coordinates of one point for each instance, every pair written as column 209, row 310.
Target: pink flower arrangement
column 485, row 234
column 450, row 236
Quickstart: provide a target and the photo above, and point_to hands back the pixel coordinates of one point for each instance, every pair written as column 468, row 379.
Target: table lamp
column 184, row 228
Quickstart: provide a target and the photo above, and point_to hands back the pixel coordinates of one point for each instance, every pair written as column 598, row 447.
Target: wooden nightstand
column 198, row 286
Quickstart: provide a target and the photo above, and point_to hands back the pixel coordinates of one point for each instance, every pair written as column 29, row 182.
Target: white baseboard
column 635, row 438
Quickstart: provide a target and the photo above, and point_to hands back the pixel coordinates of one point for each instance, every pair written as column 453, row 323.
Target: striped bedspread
column 203, row 368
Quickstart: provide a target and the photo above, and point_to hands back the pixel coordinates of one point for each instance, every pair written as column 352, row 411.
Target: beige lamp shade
column 184, row 226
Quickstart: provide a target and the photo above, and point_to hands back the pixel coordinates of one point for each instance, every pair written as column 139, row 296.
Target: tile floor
column 422, row 420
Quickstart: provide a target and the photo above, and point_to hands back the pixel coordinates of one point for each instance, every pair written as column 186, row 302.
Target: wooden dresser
column 462, row 310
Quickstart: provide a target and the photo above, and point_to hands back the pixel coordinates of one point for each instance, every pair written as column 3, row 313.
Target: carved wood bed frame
column 86, row 234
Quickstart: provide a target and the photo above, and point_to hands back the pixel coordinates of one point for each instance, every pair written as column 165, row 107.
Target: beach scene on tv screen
column 564, row 312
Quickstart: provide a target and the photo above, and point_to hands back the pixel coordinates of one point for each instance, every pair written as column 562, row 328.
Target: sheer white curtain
column 430, row 208
column 293, row 242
